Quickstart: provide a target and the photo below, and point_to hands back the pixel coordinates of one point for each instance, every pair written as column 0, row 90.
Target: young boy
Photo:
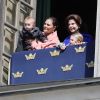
column 75, row 39
column 28, row 34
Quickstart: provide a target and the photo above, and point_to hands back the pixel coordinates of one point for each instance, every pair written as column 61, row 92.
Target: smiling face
column 48, row 27
column 72, row 26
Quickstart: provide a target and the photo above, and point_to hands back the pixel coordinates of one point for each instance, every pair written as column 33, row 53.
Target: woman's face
column 72, row 26
column 48, row 27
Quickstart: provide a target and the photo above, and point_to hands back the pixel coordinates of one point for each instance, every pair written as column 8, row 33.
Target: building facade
column 13, row 13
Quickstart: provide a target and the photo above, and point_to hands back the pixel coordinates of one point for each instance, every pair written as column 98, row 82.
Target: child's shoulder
column 36, row 29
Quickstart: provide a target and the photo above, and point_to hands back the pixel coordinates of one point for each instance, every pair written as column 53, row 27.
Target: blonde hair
column 29, row 18
column 78, row 36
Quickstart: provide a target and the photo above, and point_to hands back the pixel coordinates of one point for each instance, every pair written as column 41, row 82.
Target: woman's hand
column 36, row 44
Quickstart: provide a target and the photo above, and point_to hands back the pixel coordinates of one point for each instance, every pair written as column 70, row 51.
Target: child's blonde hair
column 78, row 36
column 29, row 18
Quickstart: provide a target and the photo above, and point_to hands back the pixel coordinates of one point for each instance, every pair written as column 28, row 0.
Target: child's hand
column 62, row 46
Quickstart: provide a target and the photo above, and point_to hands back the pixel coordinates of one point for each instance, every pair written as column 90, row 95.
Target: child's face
column 73, row 40
column 72, row 26
column 29, row 24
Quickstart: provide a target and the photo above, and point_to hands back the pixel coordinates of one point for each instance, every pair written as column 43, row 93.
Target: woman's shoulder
column 86, row 34
column 55, row 33
column 87, row 37
column 67, row 40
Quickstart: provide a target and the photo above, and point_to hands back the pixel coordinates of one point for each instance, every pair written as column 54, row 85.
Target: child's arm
column 61, row 46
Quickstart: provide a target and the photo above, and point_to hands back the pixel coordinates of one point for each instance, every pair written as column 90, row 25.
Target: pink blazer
column 52, row 40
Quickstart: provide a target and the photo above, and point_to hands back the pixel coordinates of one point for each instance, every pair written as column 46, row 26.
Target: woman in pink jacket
column 50, row 32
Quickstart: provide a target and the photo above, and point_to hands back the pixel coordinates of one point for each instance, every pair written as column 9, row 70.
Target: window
column 9, row 40
column 6, row 68
column 15, row 13
column 12, row 23
column 28, row 1
column 11, row 11
column 24, row 11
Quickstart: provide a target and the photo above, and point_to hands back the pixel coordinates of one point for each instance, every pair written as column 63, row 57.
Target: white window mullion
column 97, row 43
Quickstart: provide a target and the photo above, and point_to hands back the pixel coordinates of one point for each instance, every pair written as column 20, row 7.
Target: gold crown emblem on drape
column 42, row 71
column 80, row 49
column 17, row 74
column 67, row 68
column 54, row 53
column 90, row 64
column 30, row 56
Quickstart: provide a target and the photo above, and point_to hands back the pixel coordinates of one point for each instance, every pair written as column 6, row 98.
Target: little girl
column 75, row 39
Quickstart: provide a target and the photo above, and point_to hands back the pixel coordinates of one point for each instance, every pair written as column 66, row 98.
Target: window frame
column 96, row 67
column 14, row 27
column 97, row 41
